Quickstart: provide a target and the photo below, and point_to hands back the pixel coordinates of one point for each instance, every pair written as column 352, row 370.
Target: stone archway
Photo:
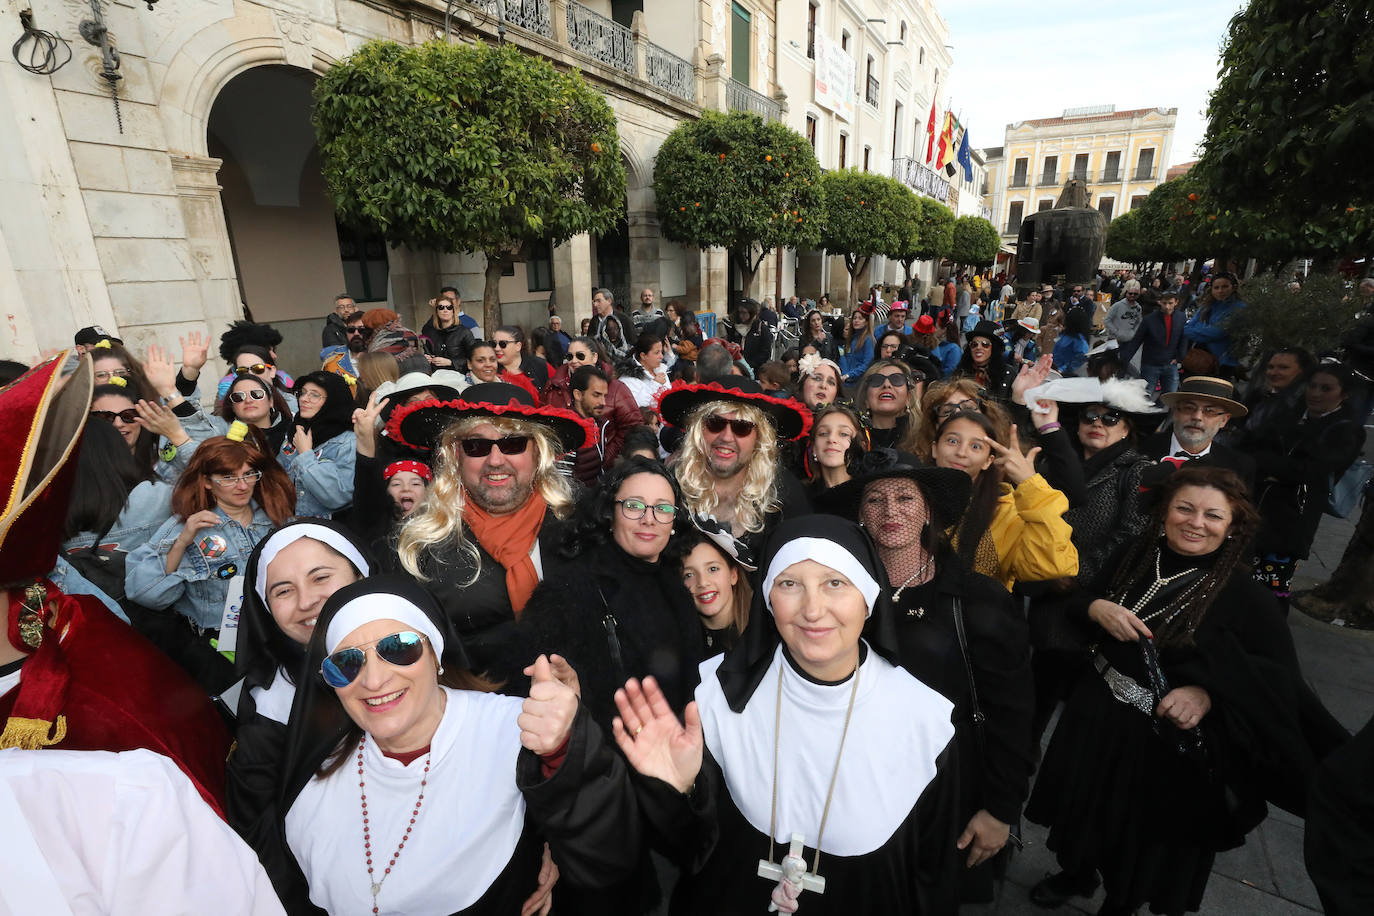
column 641, row 218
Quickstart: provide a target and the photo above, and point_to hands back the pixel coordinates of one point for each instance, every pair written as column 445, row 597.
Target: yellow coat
column 1032, row 539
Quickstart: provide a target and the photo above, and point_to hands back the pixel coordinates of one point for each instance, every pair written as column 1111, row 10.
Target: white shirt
column 1175, row 447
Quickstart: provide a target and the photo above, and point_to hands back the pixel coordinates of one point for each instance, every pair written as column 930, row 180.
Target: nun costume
column 833, row 797
column 458, row 825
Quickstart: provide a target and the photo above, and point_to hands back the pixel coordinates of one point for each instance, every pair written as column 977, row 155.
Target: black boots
column 1056, row 889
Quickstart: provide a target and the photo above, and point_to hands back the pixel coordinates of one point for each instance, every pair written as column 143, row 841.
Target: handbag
column 1346, row 488
column 1199, row 361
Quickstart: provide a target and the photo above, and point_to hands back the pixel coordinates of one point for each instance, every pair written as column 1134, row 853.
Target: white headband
column 285, row 537
column 826, row 553
column 380, row 606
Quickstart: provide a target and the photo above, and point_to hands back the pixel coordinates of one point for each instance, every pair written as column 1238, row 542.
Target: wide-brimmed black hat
column 420, row 425
column 1206, row 388
column 947, row 490
column 791, row 418
column 985, row 328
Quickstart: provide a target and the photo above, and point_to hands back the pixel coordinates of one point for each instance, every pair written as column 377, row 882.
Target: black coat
column 1156, row 347
column 1156, row 448
column 1296, row 460
column 453, row 343
column 335, row 332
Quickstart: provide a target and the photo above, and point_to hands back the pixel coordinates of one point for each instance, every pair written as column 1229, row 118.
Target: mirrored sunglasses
column 255, row 368
column 401, row 649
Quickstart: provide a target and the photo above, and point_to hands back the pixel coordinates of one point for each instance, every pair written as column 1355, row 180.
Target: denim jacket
column 148, row 507
column 1208, row 328
column 198, row 586
column 324, row 476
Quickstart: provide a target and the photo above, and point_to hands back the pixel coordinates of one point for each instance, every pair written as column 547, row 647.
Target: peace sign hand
column 1016, row 467
column 365, row 425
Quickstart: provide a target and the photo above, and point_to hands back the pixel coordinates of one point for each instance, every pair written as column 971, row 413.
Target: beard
column 356, row 345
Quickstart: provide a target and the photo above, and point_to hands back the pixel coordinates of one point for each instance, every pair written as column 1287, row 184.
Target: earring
column 441, row 670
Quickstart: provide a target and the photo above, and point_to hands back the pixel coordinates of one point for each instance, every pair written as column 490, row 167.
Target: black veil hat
column 262, row 647
column 745, row 665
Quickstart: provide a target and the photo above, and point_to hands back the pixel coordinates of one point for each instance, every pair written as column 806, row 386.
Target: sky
column 1021, row 59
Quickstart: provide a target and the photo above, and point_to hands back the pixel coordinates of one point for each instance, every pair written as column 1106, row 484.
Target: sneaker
column 1056, row 889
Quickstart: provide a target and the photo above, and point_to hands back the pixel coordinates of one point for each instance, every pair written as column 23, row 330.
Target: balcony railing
column 1020, row 181
column 918, row 176
column 528, row 14
column 604, row 39
column 669, row 72
column 740, row 97
column 871, row 91
column 1080, row 175
column 1013, row 227
column 1143, row 175
column 1048, row 180
column 1111, row 176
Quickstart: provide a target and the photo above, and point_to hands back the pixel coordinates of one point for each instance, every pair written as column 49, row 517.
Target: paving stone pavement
column 1266, row 876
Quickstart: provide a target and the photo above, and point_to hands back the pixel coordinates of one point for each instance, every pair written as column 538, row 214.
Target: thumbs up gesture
column 546, row 718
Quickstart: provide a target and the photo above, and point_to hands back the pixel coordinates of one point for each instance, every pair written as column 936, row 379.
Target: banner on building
column 834, row 85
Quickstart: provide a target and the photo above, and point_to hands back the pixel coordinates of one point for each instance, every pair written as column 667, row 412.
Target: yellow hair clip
column 102, row 344
column 119, row 380
column 237, row 431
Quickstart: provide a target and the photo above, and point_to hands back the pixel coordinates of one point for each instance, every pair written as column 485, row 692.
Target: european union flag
column 966, row 157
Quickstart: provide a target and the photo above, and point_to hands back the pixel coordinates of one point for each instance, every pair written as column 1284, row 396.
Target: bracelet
column 1047, row 428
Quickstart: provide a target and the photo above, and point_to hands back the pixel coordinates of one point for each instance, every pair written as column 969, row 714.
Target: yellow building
column 1122, row 155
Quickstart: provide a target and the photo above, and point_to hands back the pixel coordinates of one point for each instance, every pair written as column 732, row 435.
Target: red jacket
column 523, row 381
column 621, row 412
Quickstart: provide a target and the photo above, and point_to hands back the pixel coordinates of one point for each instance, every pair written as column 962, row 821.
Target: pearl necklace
column 1159, row 583
column 376, row 886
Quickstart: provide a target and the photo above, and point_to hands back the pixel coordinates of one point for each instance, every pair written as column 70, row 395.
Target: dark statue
column 1065, row 242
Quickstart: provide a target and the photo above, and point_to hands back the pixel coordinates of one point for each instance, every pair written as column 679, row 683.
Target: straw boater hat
column 1206, row 388
column 420, row 425
column 791, row 419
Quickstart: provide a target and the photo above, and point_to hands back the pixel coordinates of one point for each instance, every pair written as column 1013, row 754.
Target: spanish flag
column 946, row 150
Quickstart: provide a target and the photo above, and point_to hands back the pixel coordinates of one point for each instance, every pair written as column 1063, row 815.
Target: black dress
column 995, row 758
column 1120, row 797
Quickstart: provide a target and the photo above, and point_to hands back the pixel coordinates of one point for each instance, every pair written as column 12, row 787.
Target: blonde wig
column 913, row 400
column 759, row 496
column 937, row 393
column 439, row 520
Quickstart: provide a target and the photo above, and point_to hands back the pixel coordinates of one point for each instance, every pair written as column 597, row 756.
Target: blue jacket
column 1208, row 328
column 148, row 507
column 854, row 363
column 948, row 353
column 323, row 477
column 1070, row 353
column 1156, row 348
column 200, row 583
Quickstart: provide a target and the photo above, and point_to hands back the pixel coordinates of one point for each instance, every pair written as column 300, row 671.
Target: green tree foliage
column 910, row 215
column 1123, row 239
column 935, row 236
column 975, row 242
column 1313, row 318
column 1290, row 127
column 468, row 148
column 865, row 215
column 740, row 183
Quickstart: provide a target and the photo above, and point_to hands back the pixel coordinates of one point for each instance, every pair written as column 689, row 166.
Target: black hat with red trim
column 791, row 418
column 420, row 425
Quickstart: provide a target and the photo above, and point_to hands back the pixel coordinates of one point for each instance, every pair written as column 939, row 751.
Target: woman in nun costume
column 412, row 788
column 811, row 770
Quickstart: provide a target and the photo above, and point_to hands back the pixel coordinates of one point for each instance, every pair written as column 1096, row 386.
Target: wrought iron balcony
column 528, row 14
column 1048, row 180
column 604, row 39
column 669, row 72
column 1143, row 175
column 740, row 97
column 1020, row 181
column 1111, row 176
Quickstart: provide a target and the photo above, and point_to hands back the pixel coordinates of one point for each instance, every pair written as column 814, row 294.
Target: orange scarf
column 509, row 539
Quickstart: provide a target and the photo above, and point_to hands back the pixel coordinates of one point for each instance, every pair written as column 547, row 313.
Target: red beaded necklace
column 367, row 835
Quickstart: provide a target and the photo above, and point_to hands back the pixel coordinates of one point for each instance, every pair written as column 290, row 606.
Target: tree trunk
column 745, row 262
column 491, row 292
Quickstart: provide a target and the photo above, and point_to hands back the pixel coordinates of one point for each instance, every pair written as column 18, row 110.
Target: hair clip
column 119, row 381
column 237, row 431
column 102, row 344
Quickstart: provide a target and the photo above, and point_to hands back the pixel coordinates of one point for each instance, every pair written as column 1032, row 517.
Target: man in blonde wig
column 493, row 514
column 728, row 464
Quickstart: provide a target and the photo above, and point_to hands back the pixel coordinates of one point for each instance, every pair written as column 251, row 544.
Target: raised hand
column 365, row 425
column 651, row 737
column 160, row 420
column 546, row 718
column 195, row 350
column 303, row 441
column 1031, row 376
column 160, row 370
column 1120, row 622
column 1016, row 467
column 1050, row 413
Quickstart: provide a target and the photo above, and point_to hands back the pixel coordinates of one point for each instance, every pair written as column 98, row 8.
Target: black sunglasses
column 501, row 344
column 359, row 330
column 129, row 415
column 895, row 379
column 945, row 411
column 400, row 649
column 444, row 307
column 715, row 423
column 509, row 445
column 1108, row 417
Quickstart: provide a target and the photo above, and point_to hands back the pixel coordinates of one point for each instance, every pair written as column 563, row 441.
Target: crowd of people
column 637, row 621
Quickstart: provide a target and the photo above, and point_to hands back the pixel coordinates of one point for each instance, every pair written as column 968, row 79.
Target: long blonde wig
column 440, row 519
column 759, row 495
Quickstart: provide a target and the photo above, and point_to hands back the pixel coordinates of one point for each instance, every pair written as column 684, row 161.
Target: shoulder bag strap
column 978, row 717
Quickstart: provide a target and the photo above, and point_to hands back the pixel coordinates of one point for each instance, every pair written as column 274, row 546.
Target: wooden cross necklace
column 791, row 872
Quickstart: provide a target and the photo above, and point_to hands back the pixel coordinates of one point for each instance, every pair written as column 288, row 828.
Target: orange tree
column 468, row 148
